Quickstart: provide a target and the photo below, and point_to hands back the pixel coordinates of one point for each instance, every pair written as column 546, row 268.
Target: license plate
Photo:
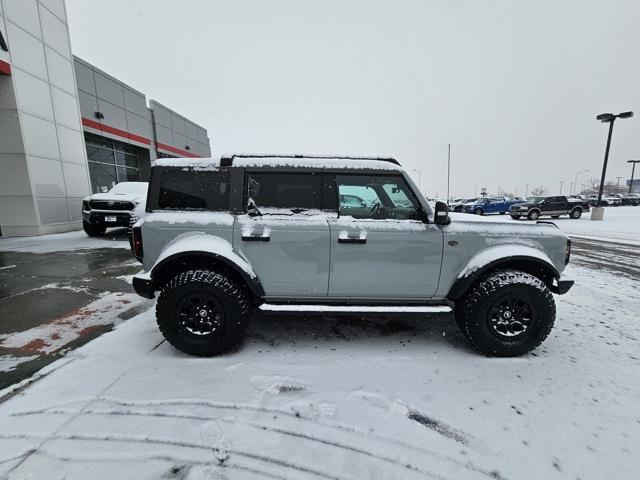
column 110, row 219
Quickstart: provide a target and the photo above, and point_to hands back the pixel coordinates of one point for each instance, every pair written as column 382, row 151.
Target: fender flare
column 530, row 264
column 219, row 251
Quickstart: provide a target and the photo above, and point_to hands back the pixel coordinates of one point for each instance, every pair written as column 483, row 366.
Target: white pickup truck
column 116, row 208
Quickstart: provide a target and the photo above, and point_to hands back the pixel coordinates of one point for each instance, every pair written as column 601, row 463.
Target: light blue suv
column 224, row 237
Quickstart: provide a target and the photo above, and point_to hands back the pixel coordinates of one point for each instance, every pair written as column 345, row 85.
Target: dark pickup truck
column 549, row 206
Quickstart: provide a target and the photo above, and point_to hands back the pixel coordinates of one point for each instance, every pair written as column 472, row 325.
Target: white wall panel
column 53, row 210
column 75, row 177
column 71, row 146
column 18, row 211
column 33, row 94
column 75, row 207
column 24, row 13
column 113, row 116
column 57, row 7
column 60, row 71
column 88, row 105
column 54, row 33
column 40, row 137
column 26, row 51
column 84, row 78
column 65, row 107
column 46, row 177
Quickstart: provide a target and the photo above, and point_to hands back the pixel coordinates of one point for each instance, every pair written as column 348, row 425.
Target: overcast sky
column 514, row 86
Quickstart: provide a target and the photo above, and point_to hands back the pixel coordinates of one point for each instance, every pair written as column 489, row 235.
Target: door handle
column 352, row 240
column 256, row 238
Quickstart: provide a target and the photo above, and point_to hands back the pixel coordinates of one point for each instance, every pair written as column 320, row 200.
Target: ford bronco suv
column 283, row 234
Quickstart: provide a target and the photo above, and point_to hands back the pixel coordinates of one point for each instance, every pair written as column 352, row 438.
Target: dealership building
column 68, row 129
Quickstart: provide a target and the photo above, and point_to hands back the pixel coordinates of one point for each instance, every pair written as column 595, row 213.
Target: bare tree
column 538, row 191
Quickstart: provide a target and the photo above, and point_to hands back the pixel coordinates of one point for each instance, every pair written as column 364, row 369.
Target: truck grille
column 110, row 205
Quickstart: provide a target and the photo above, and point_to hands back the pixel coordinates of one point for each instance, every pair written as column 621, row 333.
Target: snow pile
column 9, row 363
column 620, row 223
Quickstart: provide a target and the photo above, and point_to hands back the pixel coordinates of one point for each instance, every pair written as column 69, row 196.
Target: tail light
column 136, row 242
column 567, row 254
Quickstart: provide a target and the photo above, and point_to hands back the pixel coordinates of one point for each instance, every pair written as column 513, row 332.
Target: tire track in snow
column 465, row 465
column 173, row 443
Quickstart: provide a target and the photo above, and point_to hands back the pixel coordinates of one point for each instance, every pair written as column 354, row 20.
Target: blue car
column 482, row 206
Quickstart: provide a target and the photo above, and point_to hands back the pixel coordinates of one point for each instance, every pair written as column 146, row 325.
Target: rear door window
column 193, row 190
column 285, row 190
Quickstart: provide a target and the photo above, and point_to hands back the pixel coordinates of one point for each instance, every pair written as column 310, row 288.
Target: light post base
column 597, row 213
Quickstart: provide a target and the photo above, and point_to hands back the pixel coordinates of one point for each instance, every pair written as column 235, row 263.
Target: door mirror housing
column 441, row 216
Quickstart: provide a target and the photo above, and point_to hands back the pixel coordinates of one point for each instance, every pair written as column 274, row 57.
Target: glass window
column 110, row 163
column 286, row 190
column 103, row 177
column 188, row 190
column 377, row 197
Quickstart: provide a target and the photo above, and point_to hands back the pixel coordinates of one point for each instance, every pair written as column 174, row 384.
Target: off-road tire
column 576, row 213
column 93, row 230
column 472, row 312
column 232, row 298
column 533, row 215
column 516, row 217
column 478, row 211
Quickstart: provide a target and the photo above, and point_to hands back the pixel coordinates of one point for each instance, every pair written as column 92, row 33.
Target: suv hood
column 505, row 230
column 130, row 197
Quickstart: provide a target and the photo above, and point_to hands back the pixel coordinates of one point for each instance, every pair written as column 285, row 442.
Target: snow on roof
column 316, row 161
column 313, row 161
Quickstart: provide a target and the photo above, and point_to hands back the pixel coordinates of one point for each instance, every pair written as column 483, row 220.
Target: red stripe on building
column 114, row 131
column 136, row 138
column 177, row 151
column 5, row 68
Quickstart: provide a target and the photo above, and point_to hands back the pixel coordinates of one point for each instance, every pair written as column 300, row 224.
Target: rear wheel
column 516, row 216
column 507, row 313
column 576, row 213
column 202, row 312
column 93, row 230
column 478, row 211
column 555, row 216
column 533, row 215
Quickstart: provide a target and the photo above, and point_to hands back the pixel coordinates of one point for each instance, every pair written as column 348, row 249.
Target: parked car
column 627, row 199
column 116, row 208
column 270, row 233
column 549, row 206
column 607, row 201
column 483, row 206
column 458, row 204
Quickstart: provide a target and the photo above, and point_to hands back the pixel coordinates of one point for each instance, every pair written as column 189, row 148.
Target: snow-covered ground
column 620, row 223
column 342, row 398
column 68, row 241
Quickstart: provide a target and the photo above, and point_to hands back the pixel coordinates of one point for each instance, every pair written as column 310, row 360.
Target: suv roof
column 285, row 160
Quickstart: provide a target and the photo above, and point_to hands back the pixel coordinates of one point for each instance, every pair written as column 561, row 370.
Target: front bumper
column 122, row 219
column 143, row 286
column 560, row 287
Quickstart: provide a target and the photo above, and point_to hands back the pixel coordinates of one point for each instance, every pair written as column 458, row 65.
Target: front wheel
column 507, row 313
column 202, row 312
column 92, row 229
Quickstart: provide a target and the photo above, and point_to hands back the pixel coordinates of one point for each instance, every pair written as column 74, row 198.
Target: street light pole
column 633, row 170
column 609, row 118
column 618, row 185
column 526, row 191
column 448, row 172
column 575, row 180
column 561, row 182
column 419, row 178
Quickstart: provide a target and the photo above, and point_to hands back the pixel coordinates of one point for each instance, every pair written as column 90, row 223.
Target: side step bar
column 269, row 307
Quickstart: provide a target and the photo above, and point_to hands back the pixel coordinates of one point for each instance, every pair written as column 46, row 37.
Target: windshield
column 139, row 188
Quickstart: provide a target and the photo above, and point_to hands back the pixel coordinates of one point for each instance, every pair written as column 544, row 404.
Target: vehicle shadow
column 394, row 331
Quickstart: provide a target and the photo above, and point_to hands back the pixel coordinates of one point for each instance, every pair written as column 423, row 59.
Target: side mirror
column 442, row 214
